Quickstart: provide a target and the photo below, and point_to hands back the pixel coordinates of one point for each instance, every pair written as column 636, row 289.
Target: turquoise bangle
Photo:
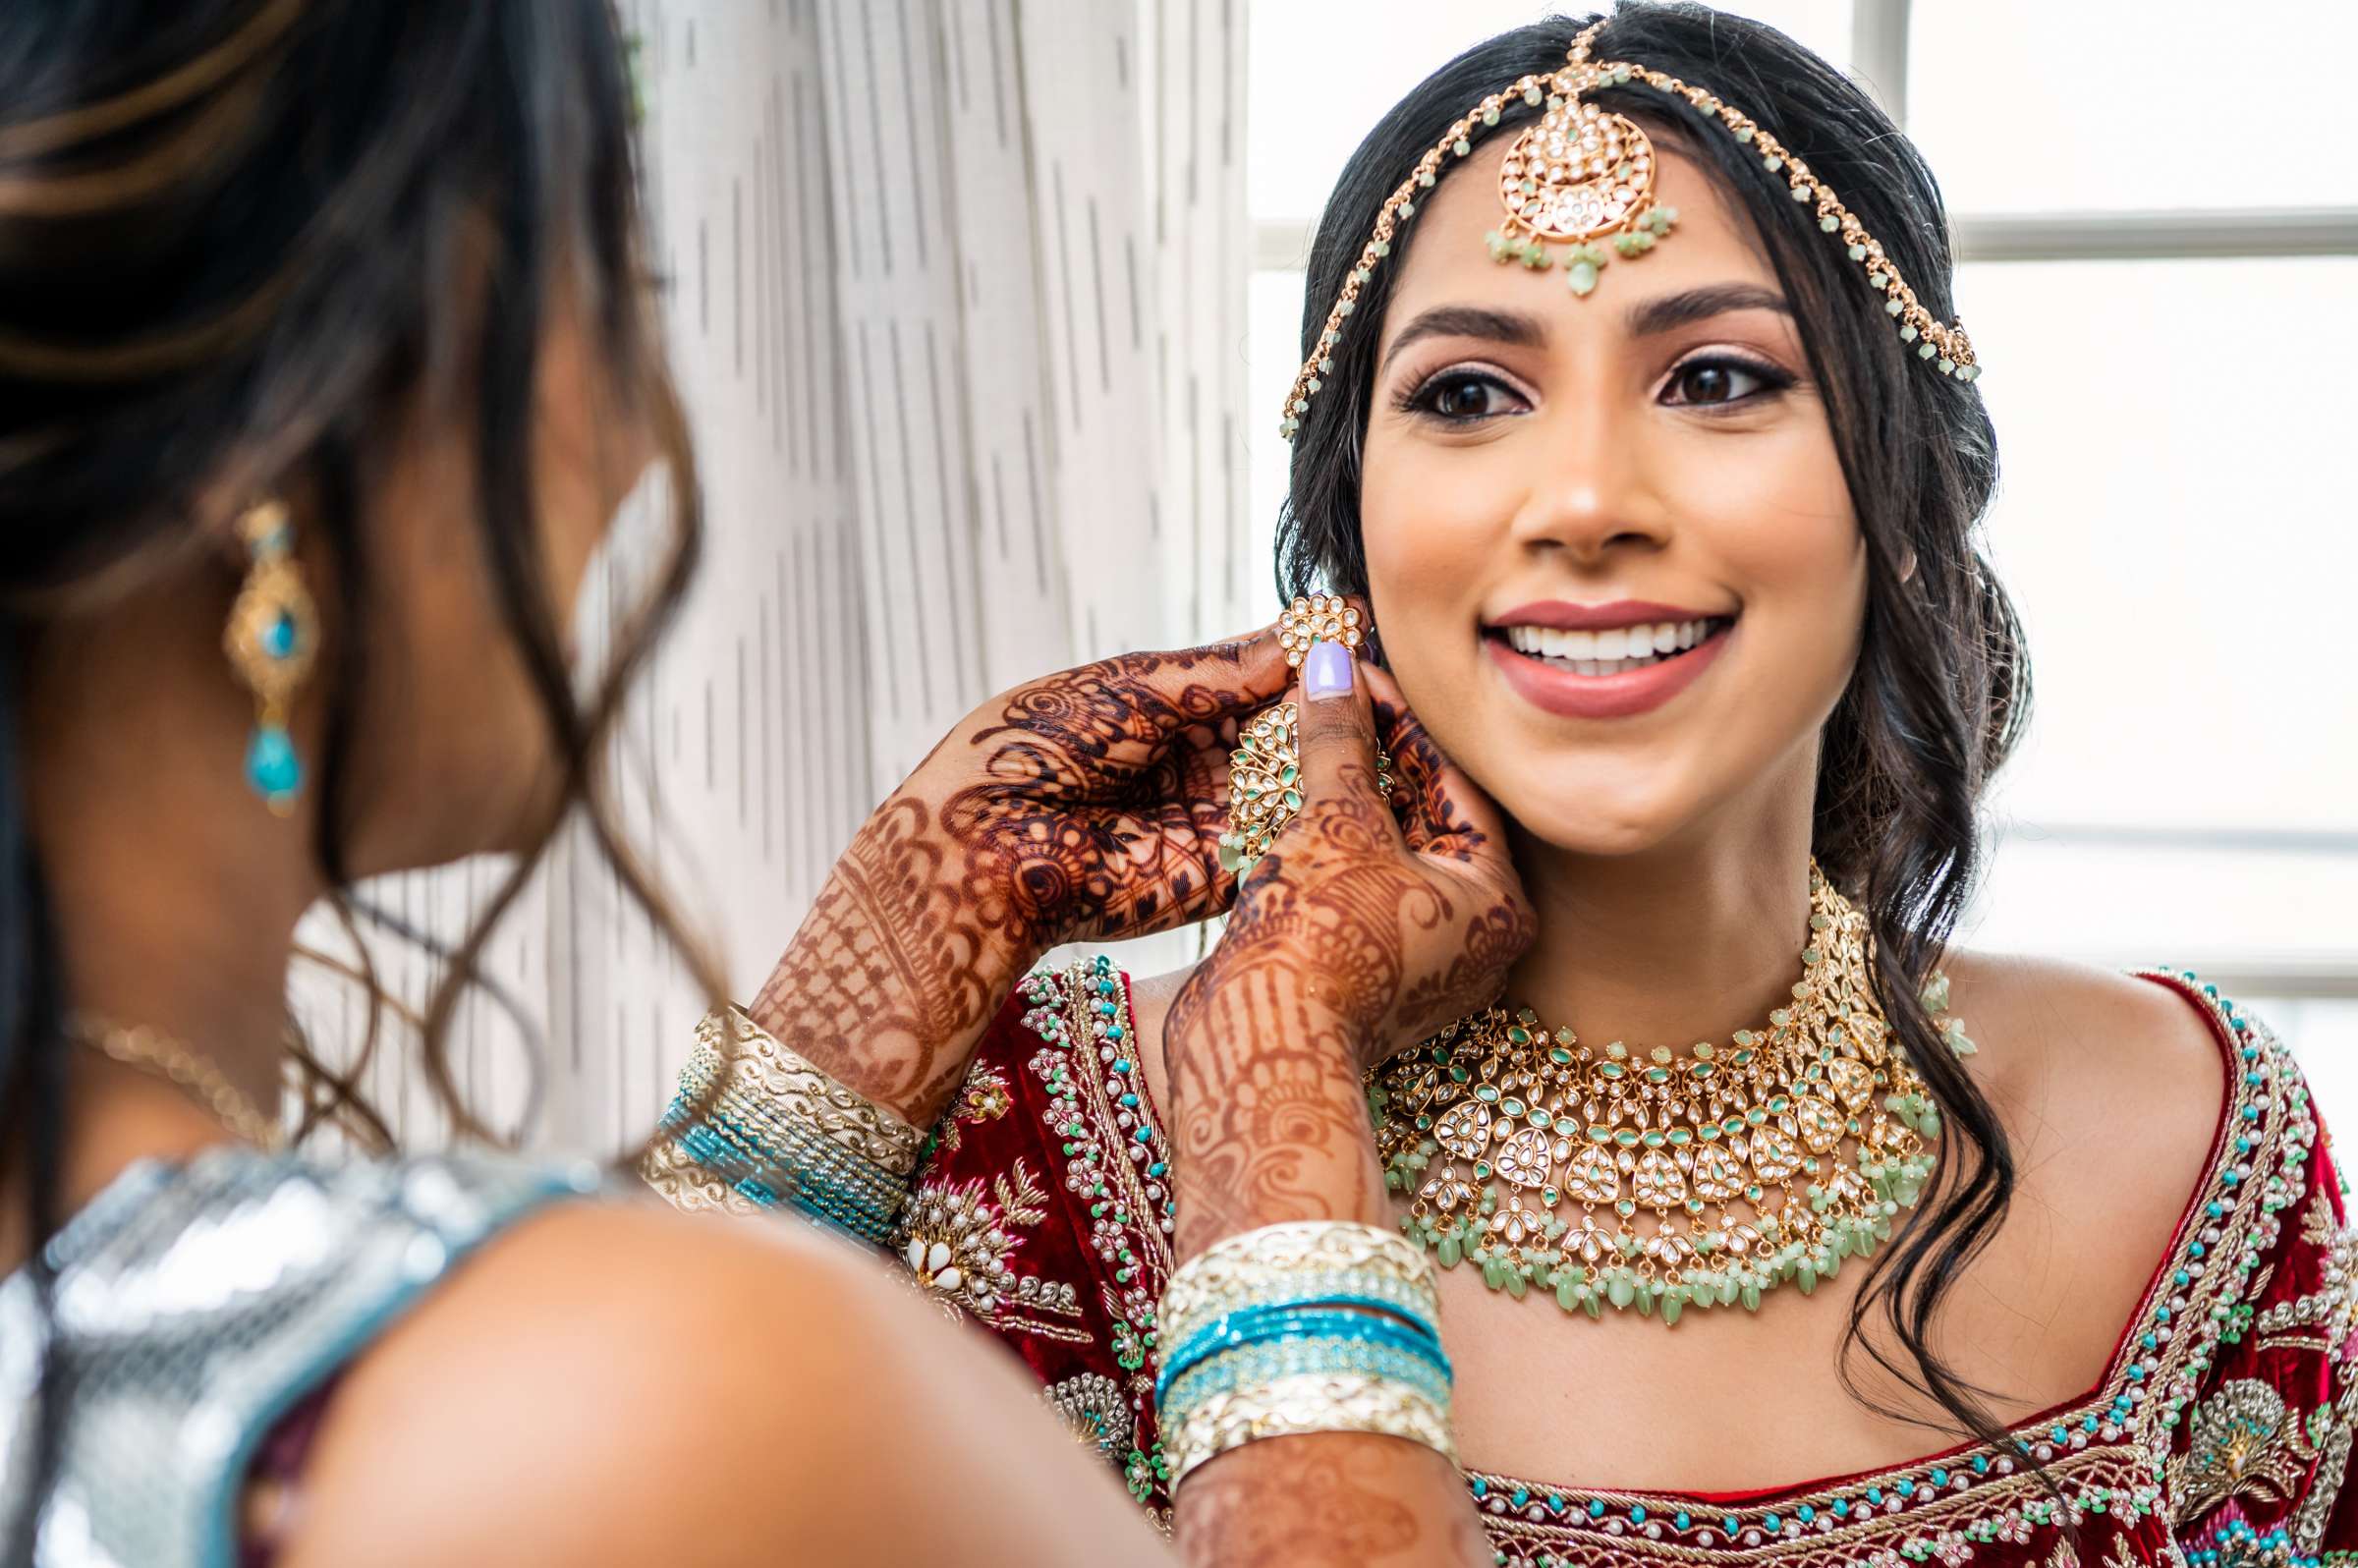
column 1255, row 1366
column 812, row 1174
column 747, row 1121
column 1254, row 1325
column 796, row 1151
column 773, row 1185
column 1285, row 1325
column 1251, row 1324
column 1371, row 1288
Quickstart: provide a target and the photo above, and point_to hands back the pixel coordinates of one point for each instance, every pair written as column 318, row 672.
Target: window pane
column 1323, row 75
column 2173, row 528
column 2181, row 551
column 2324, row 1034
column 2219, row 907
column 2026, row 105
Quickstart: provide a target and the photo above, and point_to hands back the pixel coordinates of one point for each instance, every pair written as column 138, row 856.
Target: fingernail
column 1327, row 672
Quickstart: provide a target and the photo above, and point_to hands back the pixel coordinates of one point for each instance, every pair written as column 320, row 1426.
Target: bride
column 1636, row 416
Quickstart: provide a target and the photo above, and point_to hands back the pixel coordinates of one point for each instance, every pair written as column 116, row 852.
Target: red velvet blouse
column 2218, row 1435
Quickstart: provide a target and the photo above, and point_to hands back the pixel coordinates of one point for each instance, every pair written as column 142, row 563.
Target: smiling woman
column 1633, row 404
column 1662, row 437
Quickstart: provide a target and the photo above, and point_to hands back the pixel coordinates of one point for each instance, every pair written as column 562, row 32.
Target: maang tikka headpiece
column 1582, row 179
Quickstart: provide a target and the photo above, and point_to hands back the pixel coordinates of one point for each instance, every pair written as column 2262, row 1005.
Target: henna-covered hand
column 1353, row 936
column 1329, row 1500
column 1091, row 807
column 1084, row 805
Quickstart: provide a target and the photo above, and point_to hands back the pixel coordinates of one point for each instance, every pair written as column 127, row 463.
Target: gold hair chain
column 1581, row 175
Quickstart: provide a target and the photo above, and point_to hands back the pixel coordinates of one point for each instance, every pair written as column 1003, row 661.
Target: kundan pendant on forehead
column 1578, row 188
column 1580, row 175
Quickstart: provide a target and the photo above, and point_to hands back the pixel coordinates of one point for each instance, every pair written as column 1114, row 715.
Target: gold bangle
column 757, row 1064
column 1259, row 1264
column 1315, row 1402
column 687, row 1184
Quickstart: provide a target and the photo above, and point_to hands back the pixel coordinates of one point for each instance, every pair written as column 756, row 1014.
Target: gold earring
column 1265, row 771
column 1316, row 618
column 1265, row 786
column 272, row 634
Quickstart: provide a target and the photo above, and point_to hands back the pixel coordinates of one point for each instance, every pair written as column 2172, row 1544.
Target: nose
column 1590, row 496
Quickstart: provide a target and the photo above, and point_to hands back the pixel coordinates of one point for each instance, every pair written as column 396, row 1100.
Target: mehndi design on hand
column 1084, row 805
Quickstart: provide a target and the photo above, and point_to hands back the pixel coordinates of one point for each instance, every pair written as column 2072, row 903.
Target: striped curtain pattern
column 955, row 294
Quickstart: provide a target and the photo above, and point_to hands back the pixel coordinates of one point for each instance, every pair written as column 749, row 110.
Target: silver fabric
column 195, row 1303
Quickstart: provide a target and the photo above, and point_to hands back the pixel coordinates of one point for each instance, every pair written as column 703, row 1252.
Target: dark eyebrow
column 1469, row 321
column 1644, row 319
column 1672, row 310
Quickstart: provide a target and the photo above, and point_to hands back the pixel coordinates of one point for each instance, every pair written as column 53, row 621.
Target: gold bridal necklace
column 161, row 1056
column 1627, row 1179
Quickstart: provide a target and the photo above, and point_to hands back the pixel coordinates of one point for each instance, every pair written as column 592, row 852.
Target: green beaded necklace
column 1615, row 1179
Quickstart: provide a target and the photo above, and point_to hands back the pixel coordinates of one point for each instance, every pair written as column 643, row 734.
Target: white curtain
column 956, row 298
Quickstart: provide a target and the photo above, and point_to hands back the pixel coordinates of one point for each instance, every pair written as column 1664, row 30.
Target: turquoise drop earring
column 272, row 634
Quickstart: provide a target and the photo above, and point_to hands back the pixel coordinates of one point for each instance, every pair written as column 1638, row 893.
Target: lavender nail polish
column 1327, row 672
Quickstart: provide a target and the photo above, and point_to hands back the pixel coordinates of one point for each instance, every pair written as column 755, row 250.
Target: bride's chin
column 1590, row 823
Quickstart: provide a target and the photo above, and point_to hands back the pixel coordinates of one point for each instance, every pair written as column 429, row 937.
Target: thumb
column 1337, row 729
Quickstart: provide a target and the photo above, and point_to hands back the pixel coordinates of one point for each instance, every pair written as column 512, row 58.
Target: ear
column 1907, row 565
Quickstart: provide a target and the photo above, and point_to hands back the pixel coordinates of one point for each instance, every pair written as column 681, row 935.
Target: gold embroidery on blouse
column 982, row 1097
column 2116, row 1555
column 2241, row 1442
column 2333, row 1304
column 960, row 1243
column 2111, row 1456
column 2305, row 1342
column 2336, row 1426
column 1096, row 1410
column 1115, row 1167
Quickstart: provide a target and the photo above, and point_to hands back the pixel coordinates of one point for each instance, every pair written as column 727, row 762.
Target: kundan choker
column 1577, row 188
column 1626, row 1178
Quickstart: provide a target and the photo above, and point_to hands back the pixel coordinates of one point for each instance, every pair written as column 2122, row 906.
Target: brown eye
column 1708, row 383
column 1704, row 383
column 1464, row 398
column 1460, row 397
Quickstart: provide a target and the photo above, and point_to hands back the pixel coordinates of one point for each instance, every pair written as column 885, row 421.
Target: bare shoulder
column 2083, row 1063
column 605, row 1372
column 2127, row 1042
column 2109, row 1090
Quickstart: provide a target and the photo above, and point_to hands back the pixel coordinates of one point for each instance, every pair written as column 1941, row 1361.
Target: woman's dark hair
column 239, row 240
column 1942, row 687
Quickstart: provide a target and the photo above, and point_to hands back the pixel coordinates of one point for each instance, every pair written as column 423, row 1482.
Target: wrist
column 1270, row 1333
column 1268, row 1106
column 1284, row 1010
column 1267, row 1133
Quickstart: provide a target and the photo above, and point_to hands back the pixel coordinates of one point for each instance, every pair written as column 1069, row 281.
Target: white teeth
column 1607, row 652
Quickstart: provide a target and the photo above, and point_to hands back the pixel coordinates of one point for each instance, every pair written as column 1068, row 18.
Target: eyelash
column 1418, row 399
column 1773, row 379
